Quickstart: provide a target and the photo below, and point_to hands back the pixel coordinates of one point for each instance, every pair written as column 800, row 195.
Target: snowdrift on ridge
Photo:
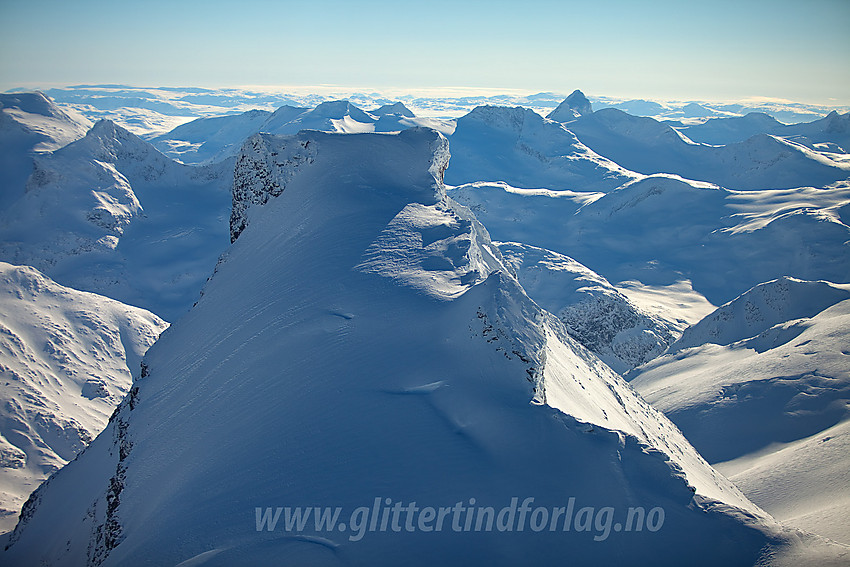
column 362, row 341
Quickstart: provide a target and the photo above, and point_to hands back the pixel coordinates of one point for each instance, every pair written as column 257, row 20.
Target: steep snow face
column 762, row 387
column 519, row 147
column 112, row 215
column 595, row 313
column 66, row 360
column 761, row 308
column 761, row 162
column 573, row 106
column 30, row 124
column 362, row 340
column 662, row 229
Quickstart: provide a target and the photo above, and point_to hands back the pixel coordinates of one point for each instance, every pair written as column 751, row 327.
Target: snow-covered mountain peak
column 32, row 103
column 267, row 164
column 106, row 141
column 648, row 130
column 396, row 109
column 571, row 108
column 762, row 307
column 112, row 215
column 311, row 347
column 837, row 123
column 338, row 109
column 30, row 125
column 502, row 117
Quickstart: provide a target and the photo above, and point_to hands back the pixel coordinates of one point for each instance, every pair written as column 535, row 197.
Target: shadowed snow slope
column 363, row 339
column 30, row 124
column 521, row 148
column 761, row 387
column 66, row 359
column 761, row 162
column 111, row 215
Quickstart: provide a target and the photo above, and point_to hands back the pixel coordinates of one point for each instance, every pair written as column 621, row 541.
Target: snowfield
column 774, row 364
column 363, row 338
column 422, row 328
column 66, row 360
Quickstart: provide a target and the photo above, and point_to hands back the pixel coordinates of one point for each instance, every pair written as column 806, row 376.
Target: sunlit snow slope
column 111, row 215
column 363, row 339
column 662, row 229
column 31, row 124
column 762, row 161
column 762, row 388
column 66, row 360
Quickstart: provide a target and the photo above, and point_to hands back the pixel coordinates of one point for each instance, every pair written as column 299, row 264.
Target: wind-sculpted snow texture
column 111, row 215
column 662, row 229
column 66, row 360
column 761, row 386
column 364, row 339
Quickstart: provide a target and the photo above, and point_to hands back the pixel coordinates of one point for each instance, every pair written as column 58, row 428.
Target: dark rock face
column 262, row 173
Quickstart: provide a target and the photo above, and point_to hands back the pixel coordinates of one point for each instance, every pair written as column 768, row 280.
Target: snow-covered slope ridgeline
column 520, row 147
column 595, row 313
column 66, row 359
column 762, row 388
column 762, row 161
column 363, row 340
column 828, row 134
column 207, row 140
column 147, row 110
column 662, row 229
column 31, row 124
column 110, row 214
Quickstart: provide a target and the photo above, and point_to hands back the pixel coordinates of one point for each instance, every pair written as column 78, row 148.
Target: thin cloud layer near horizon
column 720, row 50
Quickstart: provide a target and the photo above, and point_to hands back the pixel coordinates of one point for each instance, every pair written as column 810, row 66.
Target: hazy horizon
column 663, row 50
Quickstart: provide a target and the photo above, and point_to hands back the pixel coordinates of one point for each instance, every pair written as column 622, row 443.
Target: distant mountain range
column 434, row 300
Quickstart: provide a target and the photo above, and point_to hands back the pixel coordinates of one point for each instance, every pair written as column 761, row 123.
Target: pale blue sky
column 713, row 50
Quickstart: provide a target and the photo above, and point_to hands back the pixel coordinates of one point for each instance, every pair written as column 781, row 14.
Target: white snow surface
column 571, row 108
column 831, row 132
column 111, row 215
column 66, row 359
column 363, row 338
column 519, row 147
column 761, row 387
column 661, row 229
column 207, row 140
column 595, row 313
column 762, row 161
column 31, row 124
